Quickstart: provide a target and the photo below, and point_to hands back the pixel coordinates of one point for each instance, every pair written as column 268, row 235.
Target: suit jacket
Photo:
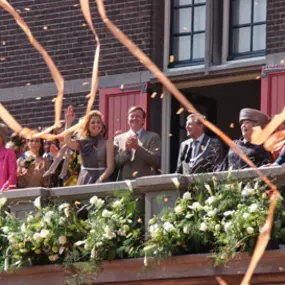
column 209, row 156
column 143, row 162
column 8, row 169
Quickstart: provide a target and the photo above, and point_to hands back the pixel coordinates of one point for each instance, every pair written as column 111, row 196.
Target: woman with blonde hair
column 96, row 152
column 8, row 166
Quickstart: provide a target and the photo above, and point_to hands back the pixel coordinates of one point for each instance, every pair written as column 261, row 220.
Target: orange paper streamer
column 85, row 7
column 261, row 137
column 56, row 75
column 145, row 60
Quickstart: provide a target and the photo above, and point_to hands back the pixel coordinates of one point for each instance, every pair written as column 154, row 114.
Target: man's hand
column 131, row 143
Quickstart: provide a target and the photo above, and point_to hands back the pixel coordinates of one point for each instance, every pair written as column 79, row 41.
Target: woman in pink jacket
column 8, row 164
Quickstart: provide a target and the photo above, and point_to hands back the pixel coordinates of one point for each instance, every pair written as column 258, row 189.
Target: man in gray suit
column 199, row 153
column 137, row 150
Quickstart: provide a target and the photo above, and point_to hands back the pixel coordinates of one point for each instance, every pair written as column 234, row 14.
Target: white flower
column 44, row 233
column 253, row 208
column 5, row 230
column 79, row 243
column 145, row 261
column 210, row 200
column 227, row 226
column 48, row 216
column 154, row 230
column 187, row 196
column 121, row 233
column 106, row 213
column 176, row 182
column 130, row 185
column 63, row 206
column 37, row 203
column 203, row 227
column 98, row 244
column 228, row 213
column 186, row 229
column 117, row 203
column 178, row 210
column 62, row 240
column 2, row 202
column 93, row 200
column 37, row 236
column 62, row 220
column 61, row 250
column 245, row 215
column 212, row 213
column 195, row 206
column 250, row 230
column 247, row 191
column 168, row 227
column 109, row 235
column 217, row 228
column 30, row 218
column 23, row 228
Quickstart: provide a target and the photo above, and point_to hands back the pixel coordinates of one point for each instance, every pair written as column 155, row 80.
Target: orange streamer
column 145, row 60
column 85, row 7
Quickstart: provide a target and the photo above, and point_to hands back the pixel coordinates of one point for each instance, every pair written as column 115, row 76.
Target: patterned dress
column 93, row 159
column 256, row 153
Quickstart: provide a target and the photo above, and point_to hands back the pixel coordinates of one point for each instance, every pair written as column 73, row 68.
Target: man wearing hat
column 248, row 119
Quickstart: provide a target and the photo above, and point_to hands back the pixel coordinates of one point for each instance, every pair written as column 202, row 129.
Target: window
column 188, row 25
column 247, row 28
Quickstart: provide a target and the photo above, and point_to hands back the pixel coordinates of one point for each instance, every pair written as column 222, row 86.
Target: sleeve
column 179, row 161
column 217, row 154
column 121, row 156
column 152, row 155
column 12, row 172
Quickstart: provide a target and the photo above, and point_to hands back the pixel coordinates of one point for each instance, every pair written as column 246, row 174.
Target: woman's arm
column 110, row 162
column 69, row 117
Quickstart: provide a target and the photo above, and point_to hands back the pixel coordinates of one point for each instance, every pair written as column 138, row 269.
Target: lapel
column 203, row 144
column 143, row 137
column 202, row 152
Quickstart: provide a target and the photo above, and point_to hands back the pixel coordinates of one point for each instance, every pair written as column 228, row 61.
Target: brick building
column 214, row 51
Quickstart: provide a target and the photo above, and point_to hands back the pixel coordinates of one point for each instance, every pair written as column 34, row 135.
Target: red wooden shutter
column 273, row 90
column 115, row 103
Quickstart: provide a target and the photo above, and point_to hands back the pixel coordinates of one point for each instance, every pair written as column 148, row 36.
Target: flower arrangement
column 26, row 160
column 222, row 218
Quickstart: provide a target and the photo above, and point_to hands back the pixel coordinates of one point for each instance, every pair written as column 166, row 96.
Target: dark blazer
column 209, row 156
column 281, row 158
column 144, row 162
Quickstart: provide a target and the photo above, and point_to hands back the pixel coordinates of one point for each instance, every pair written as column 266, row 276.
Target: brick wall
column 40, row 113
column 275, row 26
column 69, row 42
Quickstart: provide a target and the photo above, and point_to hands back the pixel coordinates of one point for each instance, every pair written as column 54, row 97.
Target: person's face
column 95, row 126
column 136, row 120
column 194, row 129
column 246, row 129
column 34, row 145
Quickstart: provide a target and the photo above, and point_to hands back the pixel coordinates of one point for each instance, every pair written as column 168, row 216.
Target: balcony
column 186, row 269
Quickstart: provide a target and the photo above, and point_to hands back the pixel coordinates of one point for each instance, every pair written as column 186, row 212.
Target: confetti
column 161, row 96
column 282, row 61
column 232, row 125
column 140, row 220
column 170, row 135
column 171, row 58
column 122, row 86
column 84, row 25
column 165, row 199
column 3, row 58
column 180, row 111
column 3, row 43
column 85, row 83
column 185, row 29
column 153, row 95
column 27, row 9
column 257, row 77
column 45, row 27
column 135, row 173
column 38, row 98
column 53, row 100
column 28, row 84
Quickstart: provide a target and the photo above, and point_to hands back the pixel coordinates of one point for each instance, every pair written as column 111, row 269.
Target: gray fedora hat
column 260, row 118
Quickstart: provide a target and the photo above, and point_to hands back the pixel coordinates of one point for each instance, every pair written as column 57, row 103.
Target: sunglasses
column 33, row 141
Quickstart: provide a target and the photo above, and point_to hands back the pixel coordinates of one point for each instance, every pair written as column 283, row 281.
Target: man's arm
column 152, row 155
column 179, row 161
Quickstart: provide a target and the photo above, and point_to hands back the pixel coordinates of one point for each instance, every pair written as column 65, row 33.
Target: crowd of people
column 87, row 157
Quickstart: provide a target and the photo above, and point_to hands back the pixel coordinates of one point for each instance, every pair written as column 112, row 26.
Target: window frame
column 191, row 34
column 249, row 54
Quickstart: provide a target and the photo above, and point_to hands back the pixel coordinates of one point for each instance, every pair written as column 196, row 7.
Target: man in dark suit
column 137, row 150
column 199, row 153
